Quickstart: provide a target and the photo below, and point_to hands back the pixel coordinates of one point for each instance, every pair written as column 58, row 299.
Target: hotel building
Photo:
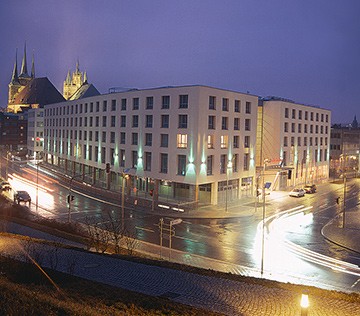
column 293, row 143
column 184, row 144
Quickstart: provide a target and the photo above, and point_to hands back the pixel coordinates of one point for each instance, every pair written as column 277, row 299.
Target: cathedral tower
column 19, row 81
column 73, row 82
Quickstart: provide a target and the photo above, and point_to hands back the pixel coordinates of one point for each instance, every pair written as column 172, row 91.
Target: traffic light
column 289, row 174
column 107, row 169
column 338, row 200
column 70, row 198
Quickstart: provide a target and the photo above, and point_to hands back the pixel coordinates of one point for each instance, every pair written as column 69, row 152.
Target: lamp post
column 344, row 206
column 124, row 177
column 304, row 303
column 263, row 219
column 37, row 186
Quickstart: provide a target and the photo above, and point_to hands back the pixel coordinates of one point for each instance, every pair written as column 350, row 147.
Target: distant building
column 344, row 149
column 35, row 134
column 26, row 91
column 13, row 131
column 293, row 142
column 76, row 86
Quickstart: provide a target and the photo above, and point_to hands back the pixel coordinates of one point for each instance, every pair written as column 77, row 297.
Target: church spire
column 85, row 77
column 15, row 78
column 24, row 72
column 33, row 67
column 77, row 67
column 68, row 78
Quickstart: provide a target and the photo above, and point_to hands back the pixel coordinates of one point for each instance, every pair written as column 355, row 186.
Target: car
column 297, row 192
column 22, row 196
column 310, row 188
column 5, row 186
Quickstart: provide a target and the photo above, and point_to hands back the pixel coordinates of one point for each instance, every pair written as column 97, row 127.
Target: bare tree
column 130, row 241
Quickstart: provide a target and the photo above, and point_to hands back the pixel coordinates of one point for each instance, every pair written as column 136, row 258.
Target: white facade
column 192, row 143
column 296, row 138
column 35, row 133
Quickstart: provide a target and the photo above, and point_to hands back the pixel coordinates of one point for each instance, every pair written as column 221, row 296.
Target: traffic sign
column 176, row 221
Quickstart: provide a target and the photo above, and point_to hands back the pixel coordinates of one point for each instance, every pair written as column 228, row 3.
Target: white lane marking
column 146, row 229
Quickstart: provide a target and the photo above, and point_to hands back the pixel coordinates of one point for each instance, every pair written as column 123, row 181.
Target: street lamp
column 263, row 218
column 304, row 303
column 124, row 177
column 37, row 186
column 228, row 167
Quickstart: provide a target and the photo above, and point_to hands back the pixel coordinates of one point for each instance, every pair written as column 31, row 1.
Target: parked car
column 22, row 196
column 5, row 186
column 310, row 188
column 297, row 192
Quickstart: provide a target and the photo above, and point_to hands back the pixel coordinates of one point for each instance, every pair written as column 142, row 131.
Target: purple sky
column 304, row 50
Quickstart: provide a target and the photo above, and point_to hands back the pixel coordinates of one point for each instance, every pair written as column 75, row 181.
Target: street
column 293, row 247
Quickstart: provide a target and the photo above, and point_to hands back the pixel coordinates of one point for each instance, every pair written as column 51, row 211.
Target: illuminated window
column 181, row 140
column 210, row 141
column 224, row 141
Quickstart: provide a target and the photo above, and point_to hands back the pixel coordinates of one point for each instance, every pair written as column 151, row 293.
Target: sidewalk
column 217, row 294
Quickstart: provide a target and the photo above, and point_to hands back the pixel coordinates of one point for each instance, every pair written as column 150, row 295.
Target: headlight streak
column 277, row 235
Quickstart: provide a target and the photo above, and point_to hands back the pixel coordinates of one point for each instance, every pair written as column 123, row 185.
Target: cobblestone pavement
column 216, row 294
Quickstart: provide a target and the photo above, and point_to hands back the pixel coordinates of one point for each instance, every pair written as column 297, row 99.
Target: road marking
column 146, row 229
column 184, row 238
column 358, row 280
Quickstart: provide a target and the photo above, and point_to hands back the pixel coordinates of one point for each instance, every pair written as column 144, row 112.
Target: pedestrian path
column 209, row 292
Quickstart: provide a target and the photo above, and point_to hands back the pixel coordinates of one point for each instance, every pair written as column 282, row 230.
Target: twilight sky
column 304, row 50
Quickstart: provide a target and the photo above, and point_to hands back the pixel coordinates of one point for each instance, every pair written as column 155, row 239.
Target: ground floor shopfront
column 136, row 188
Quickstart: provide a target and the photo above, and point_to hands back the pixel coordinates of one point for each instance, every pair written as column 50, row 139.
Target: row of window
column 225, row 105
column 78, row 122
column 183, row 103
column 99, row 155
column 299, row 129
column 319, row 155
column 225, row 123
column 299, row 115
column 305, row 142
column 182, row 139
